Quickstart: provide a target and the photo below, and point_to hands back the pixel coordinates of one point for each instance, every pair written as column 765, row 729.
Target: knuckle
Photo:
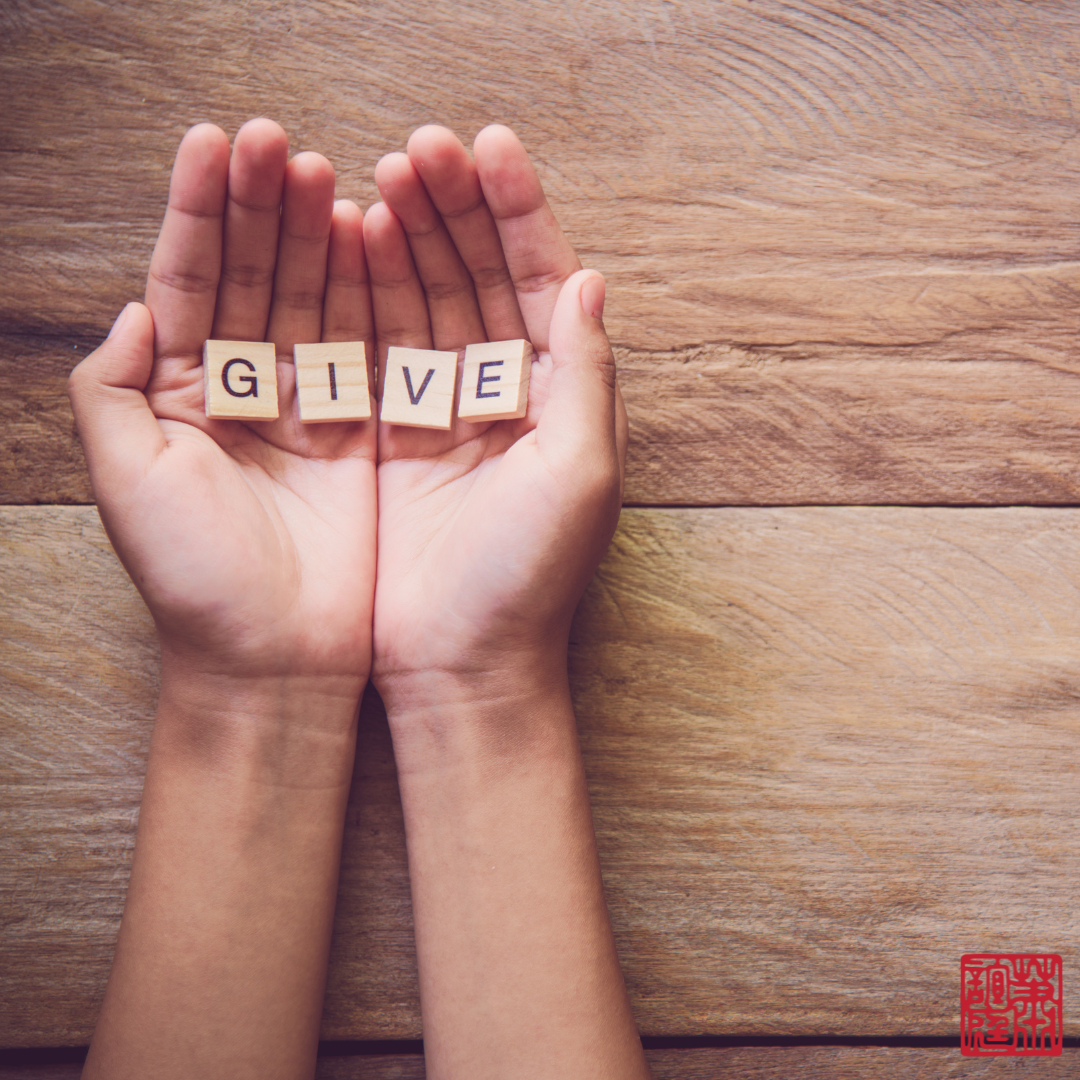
column 536, row 283
column 604, row 362
column 300, row 299
column 253, row 206
column 186, row 282
column 248, row 275
column 441, row 291
column 341, row 279
column 416, row 230
column 459, row 212
column 491, row 277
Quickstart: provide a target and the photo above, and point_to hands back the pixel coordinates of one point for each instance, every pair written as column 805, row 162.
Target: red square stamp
column 1010, row 1004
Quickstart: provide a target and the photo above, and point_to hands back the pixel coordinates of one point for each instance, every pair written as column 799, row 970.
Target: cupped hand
column 488, row 533
column 253, row 543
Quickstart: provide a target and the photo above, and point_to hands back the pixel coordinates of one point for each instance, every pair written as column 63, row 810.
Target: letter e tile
column 495, row 381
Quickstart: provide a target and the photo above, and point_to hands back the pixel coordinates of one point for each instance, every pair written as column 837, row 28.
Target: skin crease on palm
column 270, row 527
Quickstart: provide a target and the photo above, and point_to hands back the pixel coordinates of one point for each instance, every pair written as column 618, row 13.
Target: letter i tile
column 418, row 389
column 332, row 381
column 240, row 380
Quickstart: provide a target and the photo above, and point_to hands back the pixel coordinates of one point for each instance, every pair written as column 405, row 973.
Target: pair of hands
column 335, row 551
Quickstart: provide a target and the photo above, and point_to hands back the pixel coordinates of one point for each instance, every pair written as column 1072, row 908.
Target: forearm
column 221, row 962
column 518, row 971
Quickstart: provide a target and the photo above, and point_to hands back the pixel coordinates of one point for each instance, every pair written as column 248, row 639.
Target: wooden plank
column 845, row 1063
column 719, row 425
column 389, row 1067
column 765, row 1063
column 735, row 1063
column 40, row 1072
column 730, row 426
column 753, row 170
column 756, row 1063
column 826, row 756
column 769, row 186
column 40, row 456
column 826, row 747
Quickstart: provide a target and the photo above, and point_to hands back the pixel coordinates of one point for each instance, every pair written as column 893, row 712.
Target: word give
column 419, row 385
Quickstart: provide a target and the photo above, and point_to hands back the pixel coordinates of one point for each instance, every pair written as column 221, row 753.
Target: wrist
column 495, row 714
column 285, row 730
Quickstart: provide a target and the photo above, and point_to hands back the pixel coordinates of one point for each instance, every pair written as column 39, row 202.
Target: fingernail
column 119, row 320
column 592, row 296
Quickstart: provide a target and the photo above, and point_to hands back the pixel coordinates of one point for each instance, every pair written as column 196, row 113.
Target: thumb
column 580, row 411
column 119, row 433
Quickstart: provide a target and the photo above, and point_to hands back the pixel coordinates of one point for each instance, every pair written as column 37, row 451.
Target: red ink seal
column 1010, row 1004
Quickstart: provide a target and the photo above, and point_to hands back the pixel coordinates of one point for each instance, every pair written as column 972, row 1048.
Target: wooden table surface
column 828, row 677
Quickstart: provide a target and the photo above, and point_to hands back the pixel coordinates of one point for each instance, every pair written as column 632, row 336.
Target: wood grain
column 736, row 1063
column 829, row 751
column 760, row 1063
column 732, row 426
column 332, row 381
column 856, row 220
column 40, row 456
column 847, row 1063
column 720, row 425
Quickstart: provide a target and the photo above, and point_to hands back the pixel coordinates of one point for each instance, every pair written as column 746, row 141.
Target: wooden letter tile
column 418, row 390
column 332, row 381
column 240, row 380
column 495, row 381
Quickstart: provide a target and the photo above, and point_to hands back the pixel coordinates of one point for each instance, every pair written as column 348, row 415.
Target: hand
column 488, row 533
column 253, row 544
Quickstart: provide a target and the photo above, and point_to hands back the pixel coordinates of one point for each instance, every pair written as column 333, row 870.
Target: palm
column 447, row 523
column 278, row 549
column 469, row 521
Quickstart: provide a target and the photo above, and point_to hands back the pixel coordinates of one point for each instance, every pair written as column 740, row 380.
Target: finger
column 452, row 307
column 453, row 185
column 347, row 306
column 307, row 207
column 119, row 433
column 397, row 297
column 538, row 255
column 181, row 287
column 580, row 413
column 252, row 215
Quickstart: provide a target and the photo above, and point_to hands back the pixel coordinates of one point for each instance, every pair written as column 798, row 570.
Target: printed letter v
column 415, row 398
